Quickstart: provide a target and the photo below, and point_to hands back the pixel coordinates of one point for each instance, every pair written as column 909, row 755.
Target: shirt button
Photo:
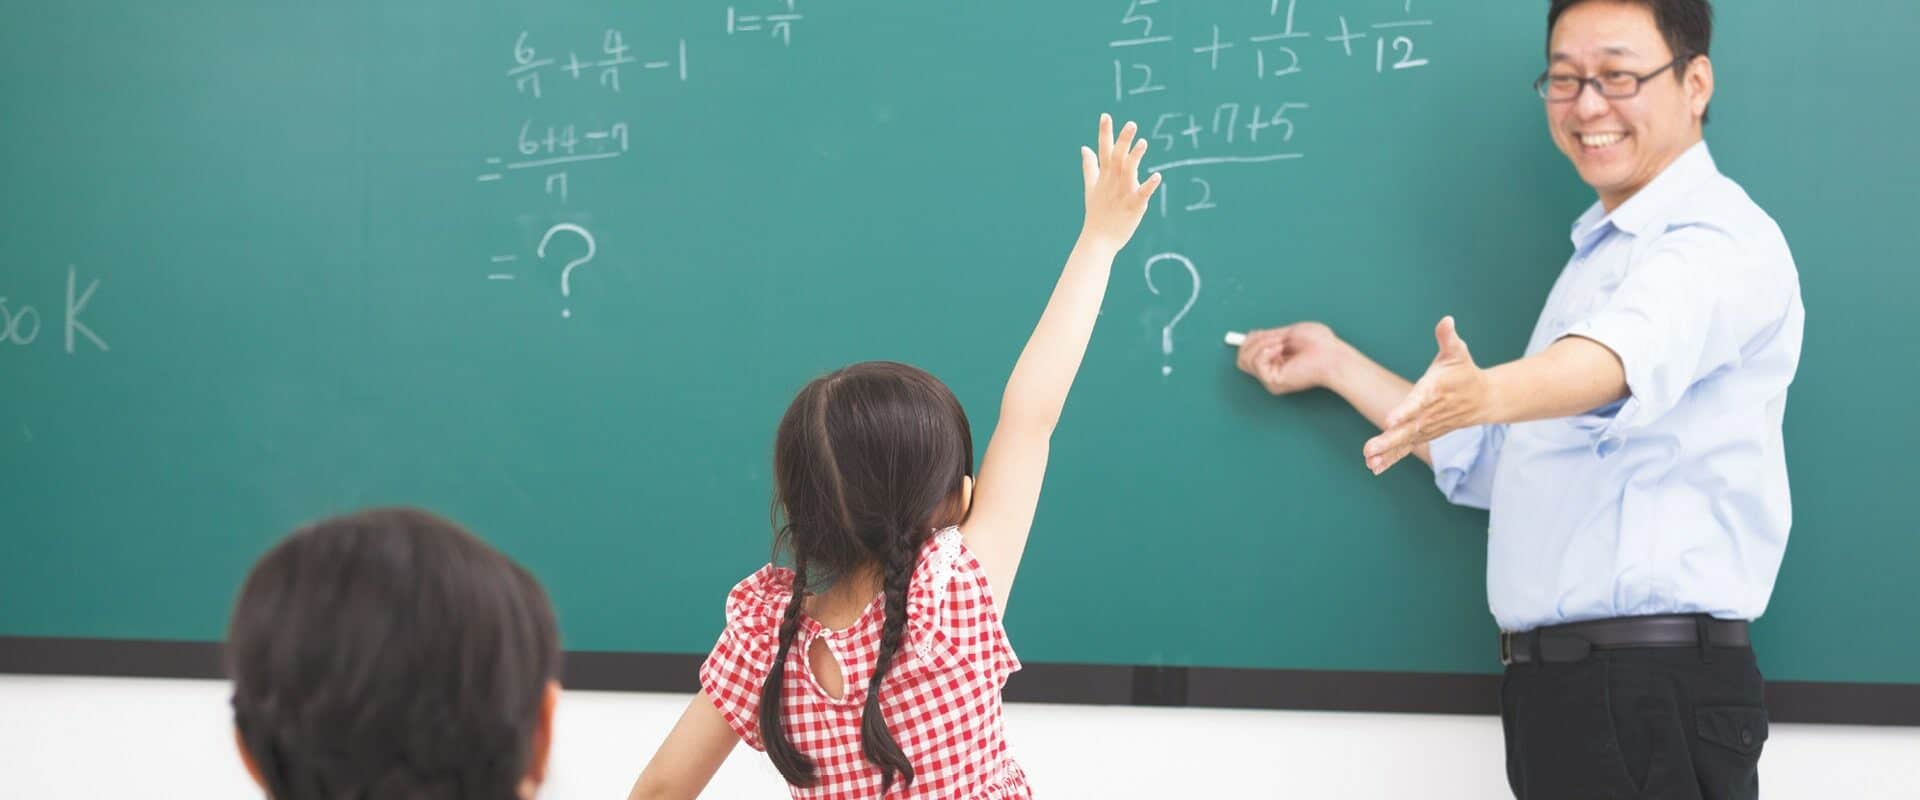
column 1746, row 736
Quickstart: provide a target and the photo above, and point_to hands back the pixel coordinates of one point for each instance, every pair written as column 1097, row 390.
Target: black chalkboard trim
column 1085, row 684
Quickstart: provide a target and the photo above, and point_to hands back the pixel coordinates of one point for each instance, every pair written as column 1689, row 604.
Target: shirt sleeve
column 1687, row 309
column 742, row 658
column 951, row 619
column 1464, row 461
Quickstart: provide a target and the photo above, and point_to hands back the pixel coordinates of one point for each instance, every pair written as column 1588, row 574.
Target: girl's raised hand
column 1116, row 197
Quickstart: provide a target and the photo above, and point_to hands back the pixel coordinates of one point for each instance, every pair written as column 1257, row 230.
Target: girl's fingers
column 1123, row 145
column 1146, row 189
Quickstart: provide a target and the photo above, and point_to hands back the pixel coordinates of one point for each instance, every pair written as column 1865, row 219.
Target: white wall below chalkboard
column 104, row 737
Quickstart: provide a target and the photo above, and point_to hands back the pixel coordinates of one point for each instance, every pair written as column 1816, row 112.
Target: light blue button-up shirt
column 1674, row 500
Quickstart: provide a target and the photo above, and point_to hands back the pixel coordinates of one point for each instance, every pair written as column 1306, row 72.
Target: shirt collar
column 1646, row 208
column 1588, row 228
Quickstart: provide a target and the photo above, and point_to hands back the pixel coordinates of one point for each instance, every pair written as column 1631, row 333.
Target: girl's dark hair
column 868, row 462
column 389, row 654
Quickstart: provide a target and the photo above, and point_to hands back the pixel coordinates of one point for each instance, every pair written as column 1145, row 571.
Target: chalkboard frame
column 1830, row 703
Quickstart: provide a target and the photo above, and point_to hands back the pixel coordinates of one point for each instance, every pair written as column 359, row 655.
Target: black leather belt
column 1576, row 640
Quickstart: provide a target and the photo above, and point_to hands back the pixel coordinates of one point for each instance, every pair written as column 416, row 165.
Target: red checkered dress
column 941, row 700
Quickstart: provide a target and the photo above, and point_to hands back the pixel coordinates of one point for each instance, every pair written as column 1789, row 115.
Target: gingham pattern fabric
column 941, row 700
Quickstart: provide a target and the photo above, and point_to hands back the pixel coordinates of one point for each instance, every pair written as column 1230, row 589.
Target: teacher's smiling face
column 1620, row 103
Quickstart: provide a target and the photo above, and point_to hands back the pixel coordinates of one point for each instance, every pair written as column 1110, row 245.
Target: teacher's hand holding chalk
column 1290, row 359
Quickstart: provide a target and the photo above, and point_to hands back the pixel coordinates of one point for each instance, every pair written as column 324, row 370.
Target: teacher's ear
column 1699, row 87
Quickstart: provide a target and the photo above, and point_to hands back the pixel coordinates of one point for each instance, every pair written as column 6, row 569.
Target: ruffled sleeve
column 950, row 617
column 734, row 672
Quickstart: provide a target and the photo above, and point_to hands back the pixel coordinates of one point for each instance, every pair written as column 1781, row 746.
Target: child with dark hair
column 872, row 668
column 391, row 654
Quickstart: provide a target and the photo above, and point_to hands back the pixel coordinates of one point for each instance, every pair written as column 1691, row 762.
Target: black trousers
column 1660, row 723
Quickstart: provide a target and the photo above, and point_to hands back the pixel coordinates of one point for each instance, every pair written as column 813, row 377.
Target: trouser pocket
column 1727, row 756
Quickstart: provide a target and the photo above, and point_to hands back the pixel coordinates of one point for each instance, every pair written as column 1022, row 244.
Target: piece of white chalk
column 1236, row 338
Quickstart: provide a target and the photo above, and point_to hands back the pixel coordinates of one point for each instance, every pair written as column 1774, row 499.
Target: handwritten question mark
column 566, row 273
column 1166, row 333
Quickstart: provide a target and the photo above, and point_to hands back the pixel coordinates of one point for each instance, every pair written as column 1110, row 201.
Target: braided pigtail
column 794, row 765
column 876, row 742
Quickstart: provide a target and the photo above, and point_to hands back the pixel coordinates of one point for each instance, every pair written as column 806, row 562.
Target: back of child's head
column 868, row 462
column 391, row 654
column 865, row 458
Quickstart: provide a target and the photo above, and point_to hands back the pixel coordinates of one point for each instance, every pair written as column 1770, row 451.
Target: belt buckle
column 1506, row 649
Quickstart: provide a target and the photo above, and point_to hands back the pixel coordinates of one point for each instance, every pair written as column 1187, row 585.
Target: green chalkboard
column 554, row 269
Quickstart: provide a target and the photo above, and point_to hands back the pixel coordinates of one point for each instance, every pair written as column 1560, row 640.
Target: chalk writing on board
column 526, row 68
column 1346, row 37
column 1166, row 332
column 1277, row 45
column 566, row 273
column 18, row 326
column 74, row 307
column 1402, row 44
column 555, row 146
column 1274, row 49
column 602, row 64
column 560, row 152
column 1225, row 133
column 1186, row 140
column 1405, row 59
column 1265, row 58
column 1226, row 123
column 778, row 25
column 21, row 325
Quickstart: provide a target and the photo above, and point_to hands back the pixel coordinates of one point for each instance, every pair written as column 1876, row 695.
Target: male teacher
column 1632, row 460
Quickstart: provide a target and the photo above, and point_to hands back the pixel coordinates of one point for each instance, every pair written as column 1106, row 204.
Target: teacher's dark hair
column 390, row 654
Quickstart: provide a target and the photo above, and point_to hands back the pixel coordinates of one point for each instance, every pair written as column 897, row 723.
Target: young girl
column 873, row 667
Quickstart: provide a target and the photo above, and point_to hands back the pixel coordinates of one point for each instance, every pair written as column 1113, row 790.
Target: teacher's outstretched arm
column 1308, row 355
column 1571, row 376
